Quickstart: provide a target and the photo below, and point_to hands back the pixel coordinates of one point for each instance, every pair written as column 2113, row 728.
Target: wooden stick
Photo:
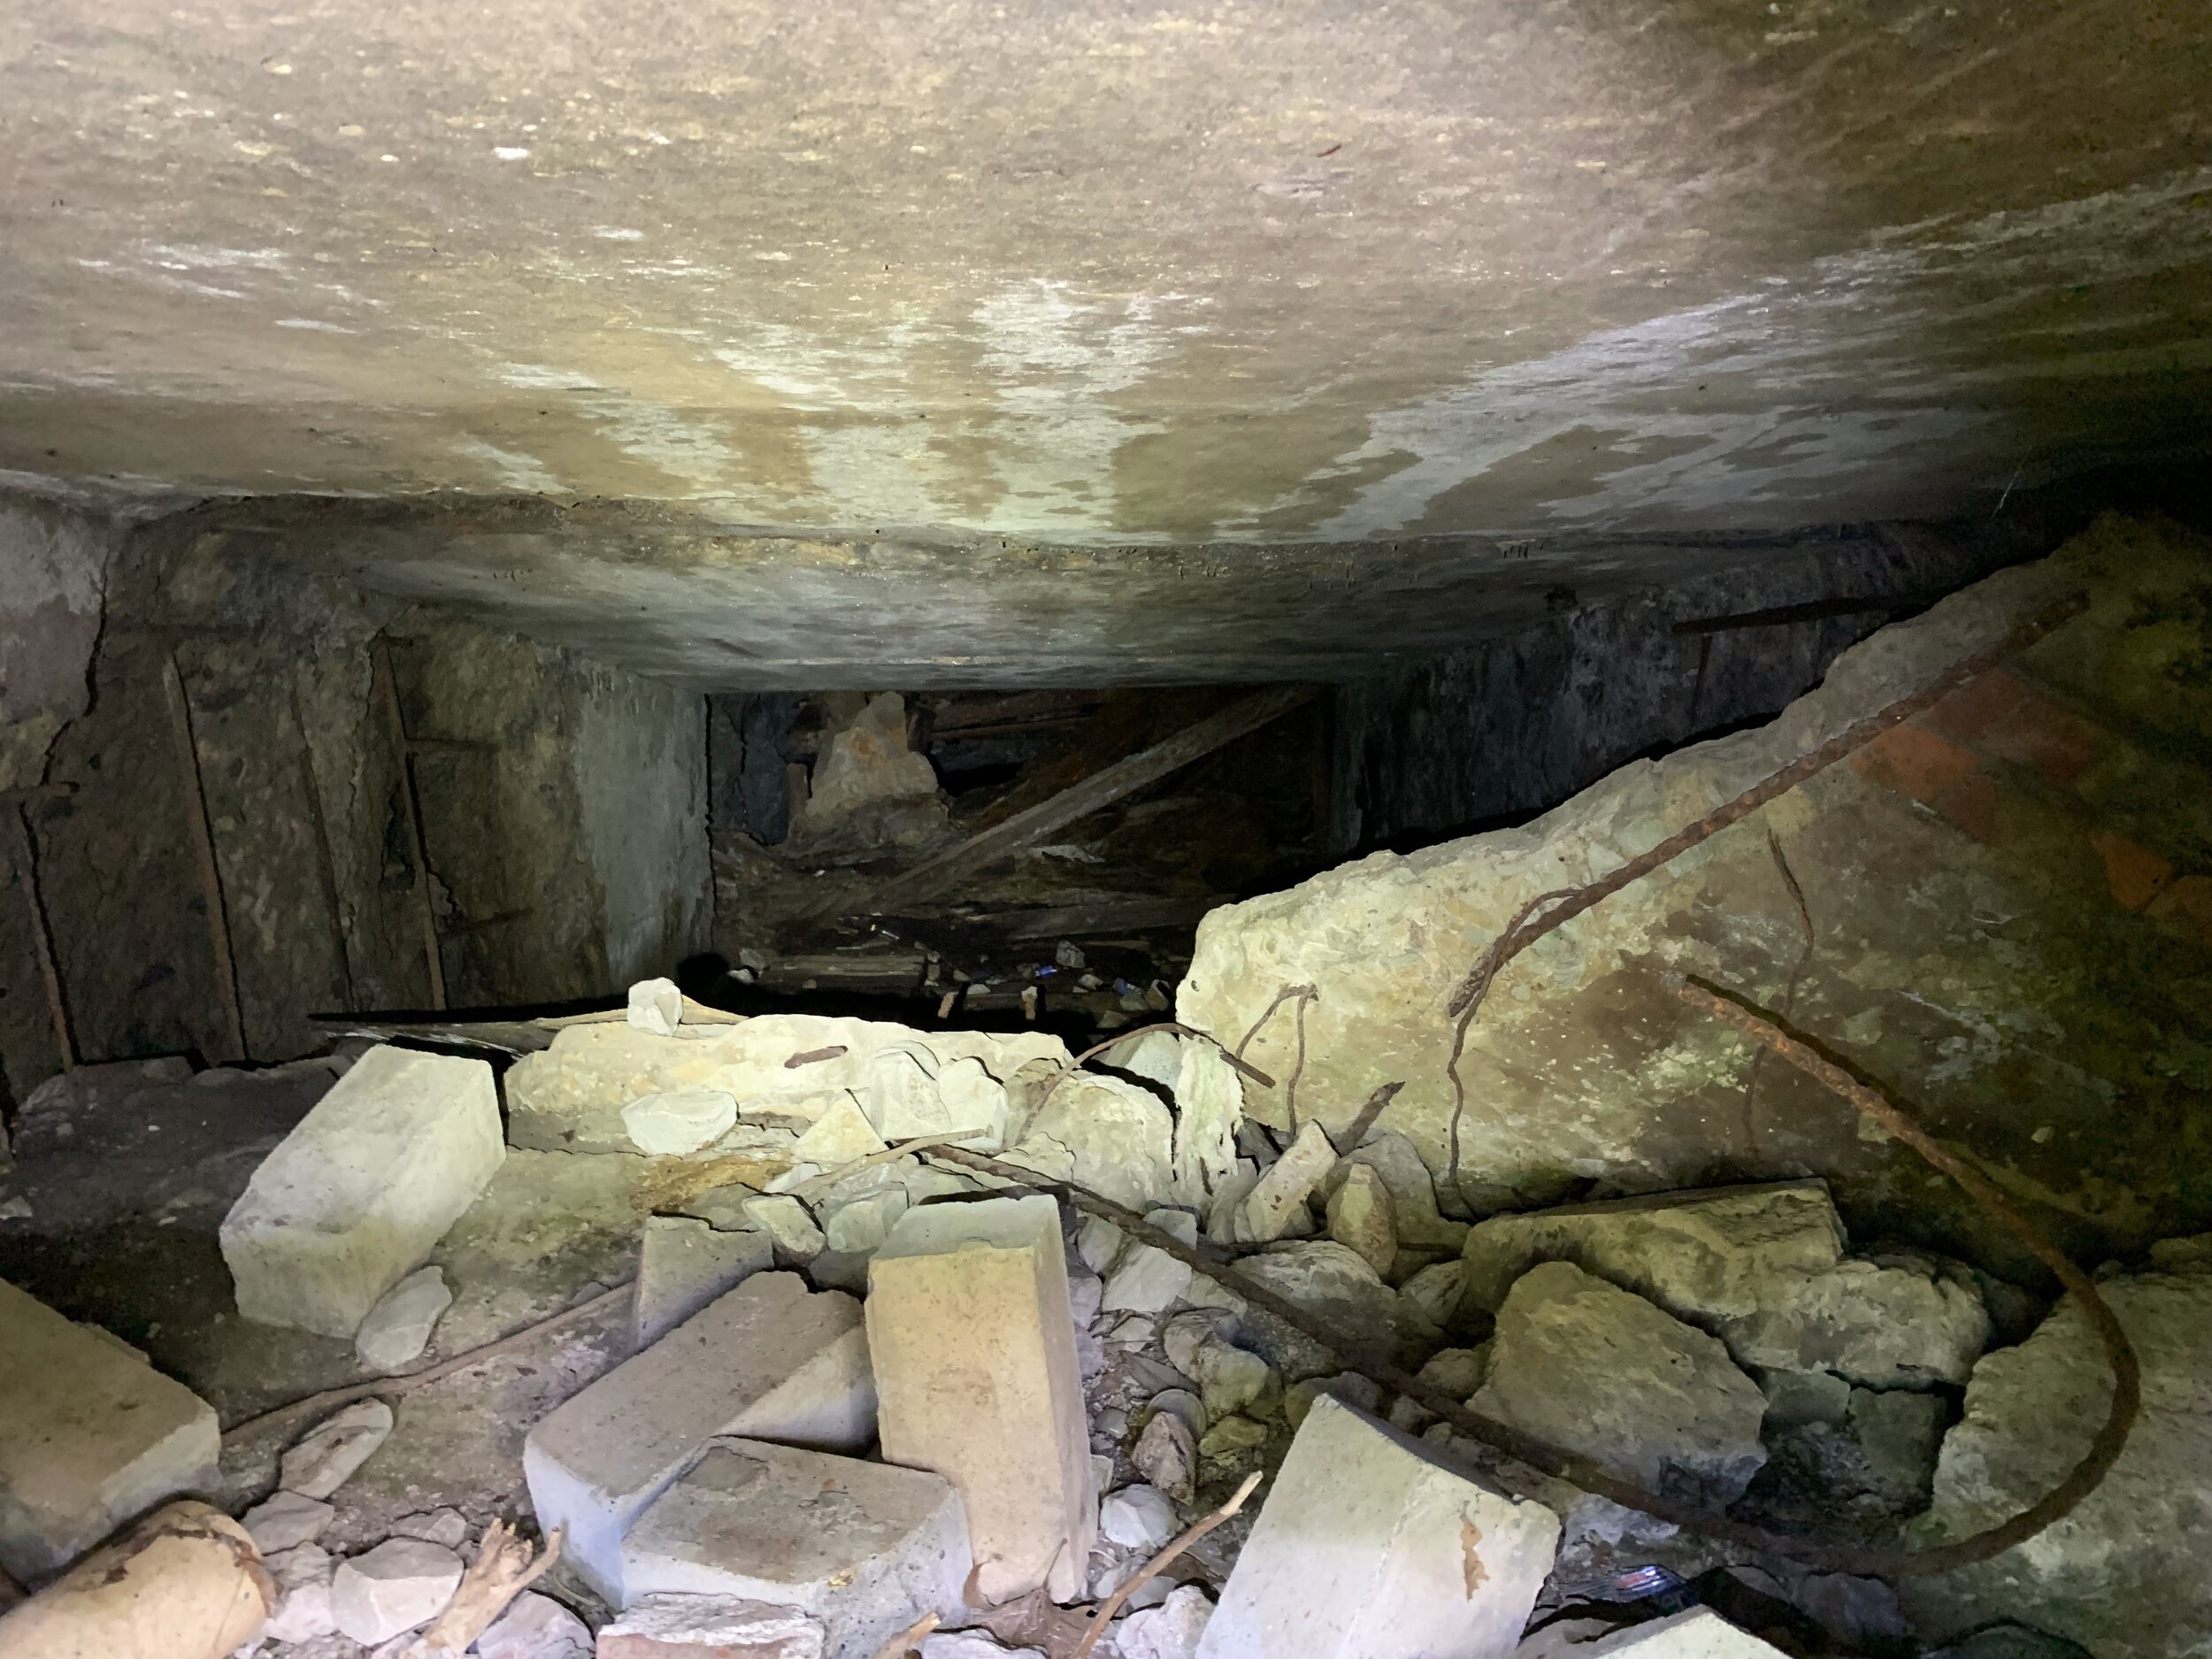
column 42, row 941
column 1158, row 1564
column 1101, row 788
column 203, row 850
column 381, row 685
column 326, row 867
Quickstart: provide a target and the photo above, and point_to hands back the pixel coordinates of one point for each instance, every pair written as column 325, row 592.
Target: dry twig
column 1158, row 1564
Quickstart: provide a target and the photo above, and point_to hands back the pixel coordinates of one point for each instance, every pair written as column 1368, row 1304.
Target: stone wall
column 563, row 809
column 53, row 564
column 2010, row 903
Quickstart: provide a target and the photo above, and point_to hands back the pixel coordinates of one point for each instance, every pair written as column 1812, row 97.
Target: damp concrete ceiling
column 1181, row 274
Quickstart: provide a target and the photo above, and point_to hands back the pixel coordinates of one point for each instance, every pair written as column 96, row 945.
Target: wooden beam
column 41, row 934
column 387, row 692
column 203, row 851
column 1101, row 789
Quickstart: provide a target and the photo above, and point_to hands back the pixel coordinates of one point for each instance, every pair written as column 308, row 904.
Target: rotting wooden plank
column 203, row 851
column 1101, row 789
column 387, row 691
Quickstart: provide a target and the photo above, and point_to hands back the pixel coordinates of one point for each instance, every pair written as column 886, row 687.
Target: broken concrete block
column 1279, row 1201
column 1360, row 1218
column 536, row 1627
column 1108, row 1136
column 840, row 1135
column 1697, row 1632
column 323, row 1458
column 398, row 1328
column 1170, row 1630
column 683, row 1264
column 1599, row 1371
column 710, row 1627
column 1137, row 1517
column 361, row 1189
column 867, row 1548
column 973, row 1345
column 1369, row 1548
column 678, row 1121
column 285, row 1521
column 787, row 1225
column 90, row 1435
column 1145, row 1278
column 769, row 1360
column 402, row 1582
column 1761, row 1267
column 656, row 1006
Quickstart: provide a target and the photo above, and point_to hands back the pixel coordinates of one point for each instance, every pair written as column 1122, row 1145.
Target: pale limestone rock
column 1597, row 1370
column 971, row 1097
column 1166, row 1455
column 1137, row 1517
column 446, row 1527
column 840, row 1135
column 1412, row 1191
column 1361, row 1219
column 1155, row 1056
column 1368, row 1548
column 710, row 1627
column 1085, row 1292
column 536, row 1627
column 1170, row 1630
column 285, row 1521
column 656, row 1006
column 1228, row 1197
column 402, row 1582
column 1697, row 1632
column 973, row 1346
column 1327, row 1281
column 859, row 1227
column 678, row 1122
column 1279, row 1199
column 786, row 1223
column 398, row 1328
column 683, row 1264
column 1110, row 1137
column 1187, row 1333
column 362, row 1188
column 1098, row 1242
column 1347, row 1388
column 900, row 1092
column 1458, row 1372
column 2124, row 1573
column 302, row 1576
column 326, row 1456
column 768, row 1360
column 1433, row 1294
column 867, row 1548
column 1230, row 1379
column 1145, row 1278
column 869, row 789
column 1761, row 1266
column 1209, row 1106
column 90, row 1436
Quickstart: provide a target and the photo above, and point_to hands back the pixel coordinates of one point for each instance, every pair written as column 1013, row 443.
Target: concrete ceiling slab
column 1266, row 272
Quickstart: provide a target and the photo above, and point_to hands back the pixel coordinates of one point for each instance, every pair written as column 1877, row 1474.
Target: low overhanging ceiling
column 1168, row 273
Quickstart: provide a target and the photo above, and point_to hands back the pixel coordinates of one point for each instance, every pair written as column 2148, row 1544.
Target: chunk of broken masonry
column 362, row 1188
column 1599, row 1371
column 683, row 1264
column 1697, row 1632
column 867, row 1548
column 680, row 1122
column 326, row 1456
column 1369, row 1548
column 90, row 1435
column 1145, row 1278
column 771, row 1360
column 657, row 1006
column 1361, row 1219
column 1761, row 1267
column 1108, row 1136
column 402, row 1582
column 398, row 1328
column 1277, row 1205
column 840, row 1135
column 183, row 1584
column 710, row 1627
column 973, row 1346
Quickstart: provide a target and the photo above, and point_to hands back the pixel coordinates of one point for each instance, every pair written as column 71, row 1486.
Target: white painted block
column 771, row 1360
column 90, row 1435
column 362, row 1189
column 867, row 1548
column 1369, row 1548
column 973, row 1344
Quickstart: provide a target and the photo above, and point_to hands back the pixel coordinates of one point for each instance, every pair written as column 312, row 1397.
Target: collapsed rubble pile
column 881, row 1399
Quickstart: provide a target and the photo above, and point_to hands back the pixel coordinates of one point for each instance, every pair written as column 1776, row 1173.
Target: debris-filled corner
column 1321, row 1321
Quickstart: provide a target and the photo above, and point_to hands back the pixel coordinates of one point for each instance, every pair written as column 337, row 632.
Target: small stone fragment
column 398, row 1328
column 1228, row 1195
column 840, row 1135
column 1230, row 1379
column 1334, row 1286
column 1280, row 1198
column 656, row 1005
column 859, row 1227
column 1137, row 1518
column 302, row 1576
column 1360, row 1218
column 1170, row 1630
column 536, row 1627
column 1166, row 1455
column 1097, row 1242
column 1231, row 1436
column 1110, row 1136
column 1145, row 1278
column 402, row 1582
column 324, row 1459
column 1348, row 1387
column 786, row 1223
column 1458, row 1372
column 1412, row 1192
column 447, row 1526
column 1804, row 1396
column 710, row 1627
column 685, row 1263
column 285, row 1521
column 1209, row 1106
column 680, row 1122
column 1420, row 1559
column 1182, row 1336
column 1899, row 1434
